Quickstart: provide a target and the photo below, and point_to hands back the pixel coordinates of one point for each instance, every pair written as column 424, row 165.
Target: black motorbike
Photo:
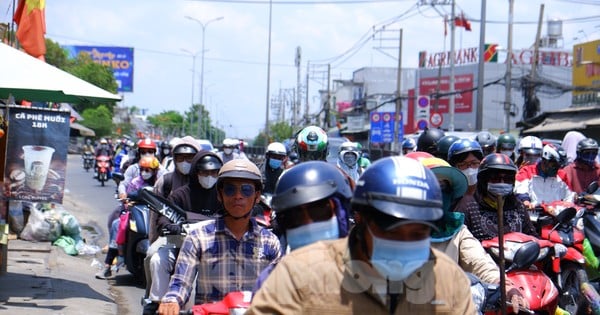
column 137, row 242
column 88, row 160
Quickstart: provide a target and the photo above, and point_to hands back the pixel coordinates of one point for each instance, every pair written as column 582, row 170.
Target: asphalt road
column 91, row 205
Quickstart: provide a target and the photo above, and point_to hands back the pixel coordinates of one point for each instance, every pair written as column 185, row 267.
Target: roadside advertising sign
column 36, row 155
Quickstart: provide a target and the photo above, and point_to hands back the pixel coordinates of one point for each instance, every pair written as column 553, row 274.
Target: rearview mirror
column 526, row 255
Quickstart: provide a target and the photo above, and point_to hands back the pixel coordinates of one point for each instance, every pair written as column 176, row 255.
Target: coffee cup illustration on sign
column 37, row 163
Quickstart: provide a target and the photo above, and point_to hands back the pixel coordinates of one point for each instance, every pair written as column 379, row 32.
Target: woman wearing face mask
column 585, row 169
column 543, row 182
column 348, row 160
column 466, row 154
column 496, row 177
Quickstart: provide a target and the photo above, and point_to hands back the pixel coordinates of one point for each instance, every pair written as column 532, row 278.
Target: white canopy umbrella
column 25, row 77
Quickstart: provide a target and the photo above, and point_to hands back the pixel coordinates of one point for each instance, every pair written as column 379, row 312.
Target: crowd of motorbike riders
column 402, row 234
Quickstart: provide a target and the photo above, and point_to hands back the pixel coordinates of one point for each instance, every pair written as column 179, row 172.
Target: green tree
column 169, row 122
column 281, row 131
column 98, row 119
column 101, row 76
column 56, row 55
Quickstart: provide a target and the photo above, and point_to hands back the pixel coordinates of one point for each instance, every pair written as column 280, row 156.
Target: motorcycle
column 137, row 242
column 234, row 303
column 555, row 224
column 103, row 168
column 521, row 251
column 88, row 160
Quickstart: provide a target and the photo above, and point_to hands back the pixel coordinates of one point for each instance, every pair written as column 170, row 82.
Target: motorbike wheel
column 572, row 275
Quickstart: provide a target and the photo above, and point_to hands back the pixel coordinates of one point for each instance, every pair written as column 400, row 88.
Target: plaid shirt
column 222, row 263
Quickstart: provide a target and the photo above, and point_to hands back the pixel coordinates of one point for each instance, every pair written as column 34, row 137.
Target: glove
column 172, row 229
column 560, row 250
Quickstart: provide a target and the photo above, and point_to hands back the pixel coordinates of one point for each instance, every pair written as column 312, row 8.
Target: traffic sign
column 423, row 101
column 422, row 124
column 436, row 119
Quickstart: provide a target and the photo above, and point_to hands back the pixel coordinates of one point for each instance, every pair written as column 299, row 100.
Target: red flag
column 30, row 17
column 461, row 21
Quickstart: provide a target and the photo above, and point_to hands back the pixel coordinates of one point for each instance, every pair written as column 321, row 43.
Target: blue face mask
column 397, row 260
column 274, row 163
column 313, row 232
column 500, row 189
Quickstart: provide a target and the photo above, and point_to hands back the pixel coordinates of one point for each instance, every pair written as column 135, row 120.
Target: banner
column 36, row 158
column 120, row 59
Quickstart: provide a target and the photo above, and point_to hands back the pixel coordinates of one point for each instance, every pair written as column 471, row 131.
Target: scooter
column 88, row 160
column 566, row 269
column 137, row 242
column 103, row 168
column 234, row 303
column 521, row 251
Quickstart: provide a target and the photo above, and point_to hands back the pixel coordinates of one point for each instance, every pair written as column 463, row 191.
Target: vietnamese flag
column 30, row 17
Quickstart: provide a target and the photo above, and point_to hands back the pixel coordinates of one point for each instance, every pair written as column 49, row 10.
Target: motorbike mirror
column 566, row 215
column 118, row 176
column 526, row 255
column 592, row 187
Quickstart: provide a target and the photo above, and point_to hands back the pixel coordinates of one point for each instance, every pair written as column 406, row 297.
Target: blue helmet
column 311, row 181
column 400, row 187
column 463, row 146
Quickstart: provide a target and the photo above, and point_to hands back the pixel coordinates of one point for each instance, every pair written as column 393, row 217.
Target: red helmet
column 146, row 144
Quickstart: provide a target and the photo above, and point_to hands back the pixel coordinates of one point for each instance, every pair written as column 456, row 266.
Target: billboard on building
column 120, row 59
column 463, row 101
column 586, row 67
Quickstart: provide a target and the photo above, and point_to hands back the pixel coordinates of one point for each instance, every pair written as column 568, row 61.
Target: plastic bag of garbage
column 70, row 225
column 68, row 245
column 87, row 249
column 41, row 226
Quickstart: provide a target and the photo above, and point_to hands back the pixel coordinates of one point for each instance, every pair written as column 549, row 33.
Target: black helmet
column 505, row 142
column 209, row 162
column 587, row 144
column 165, row 145
column 487, row 141
column 185, row 149
column 444, row 144
column 428, row 140
column 491, row 164
column 308, row 182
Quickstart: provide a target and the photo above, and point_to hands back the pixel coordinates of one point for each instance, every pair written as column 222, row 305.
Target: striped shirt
column 222, row 263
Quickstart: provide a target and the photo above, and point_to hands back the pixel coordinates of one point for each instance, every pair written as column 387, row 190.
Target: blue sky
column 235, row 65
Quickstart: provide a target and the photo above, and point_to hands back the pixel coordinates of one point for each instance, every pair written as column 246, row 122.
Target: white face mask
column 471, row 174
column 227, row 151
column 207, row 182
column 148, row 155
column 509, row 153
column 147, row 175
column 183, row 167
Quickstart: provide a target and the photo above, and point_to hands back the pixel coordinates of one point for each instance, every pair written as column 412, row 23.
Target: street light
column 193, row 55
column 204, row 25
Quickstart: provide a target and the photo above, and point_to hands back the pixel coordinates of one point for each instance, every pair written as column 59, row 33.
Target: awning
column 575, row 122
column 79, row 130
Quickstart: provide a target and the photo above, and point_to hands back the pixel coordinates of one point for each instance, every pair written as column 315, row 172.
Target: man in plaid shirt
column 227, row 254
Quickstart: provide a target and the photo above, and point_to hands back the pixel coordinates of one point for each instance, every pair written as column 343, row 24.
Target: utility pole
column 397, row 122
column 481, row 69
column 328, row 102
column 296, row 102
column 306, row 106
column 452, row 59
column 508, row 83
column 268, row 76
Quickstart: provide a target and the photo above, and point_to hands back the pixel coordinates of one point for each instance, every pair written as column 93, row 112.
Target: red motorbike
column 521, row 252
column 233, row 303
column 567, row 269
column 103, row 168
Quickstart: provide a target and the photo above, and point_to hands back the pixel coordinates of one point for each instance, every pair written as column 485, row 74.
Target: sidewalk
column 43, row 279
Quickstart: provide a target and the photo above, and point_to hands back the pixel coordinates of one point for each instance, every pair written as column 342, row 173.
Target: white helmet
column 276, row 148
column 530, row 145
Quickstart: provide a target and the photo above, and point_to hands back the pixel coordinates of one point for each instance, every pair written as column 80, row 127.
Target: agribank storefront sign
column 465, row 56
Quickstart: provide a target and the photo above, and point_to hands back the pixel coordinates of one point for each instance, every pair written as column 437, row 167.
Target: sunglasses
column 247, row 190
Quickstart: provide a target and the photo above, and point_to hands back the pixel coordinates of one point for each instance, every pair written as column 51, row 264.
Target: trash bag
column 41, row 226
column 16, row 218
column 69, row 224
column 68, row 245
